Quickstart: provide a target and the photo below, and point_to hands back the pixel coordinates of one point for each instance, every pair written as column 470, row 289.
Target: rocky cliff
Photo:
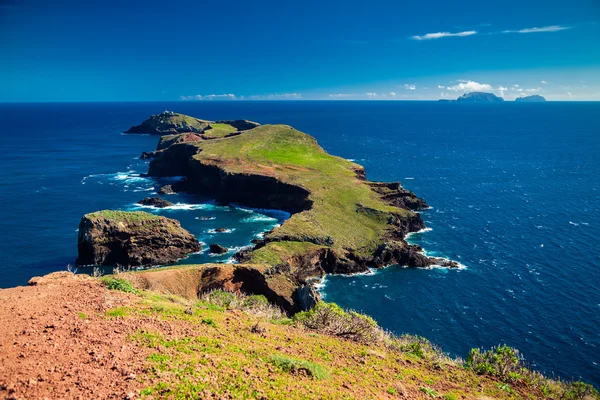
column 132, row 239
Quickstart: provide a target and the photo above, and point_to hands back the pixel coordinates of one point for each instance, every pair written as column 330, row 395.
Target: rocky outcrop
column 155, row 202
column 306, row 297
column 147, row 155
column 401, row 253
column 166, row 189
column 218, row 249
column 168, row 123
column 395, row 195
column 132, row 239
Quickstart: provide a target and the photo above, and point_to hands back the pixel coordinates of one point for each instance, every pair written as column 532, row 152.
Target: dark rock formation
column 306, row 296
column 479, row 97
column 155, row 202
column 221, row 230
column 394, row 194
column 132, row 239
column 166, row 189
column 173, row 161
column 218, row 249
column 536, row 98
column 168, row 123
column 147, row 155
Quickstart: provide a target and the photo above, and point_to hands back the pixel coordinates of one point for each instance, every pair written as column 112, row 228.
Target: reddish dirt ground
column 54, row 343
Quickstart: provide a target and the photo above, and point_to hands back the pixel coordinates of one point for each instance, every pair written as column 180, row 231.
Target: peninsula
column 341, row 223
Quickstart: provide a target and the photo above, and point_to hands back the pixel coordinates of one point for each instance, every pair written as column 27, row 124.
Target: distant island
column 481, row 97
column 536, row 98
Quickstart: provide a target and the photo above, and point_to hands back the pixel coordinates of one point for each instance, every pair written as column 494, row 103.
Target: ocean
column 514, row 191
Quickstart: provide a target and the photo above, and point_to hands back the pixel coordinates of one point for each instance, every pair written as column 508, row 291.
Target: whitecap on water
column 226, row 230
column 177, row 207
column 259, row 218
column 409, row 234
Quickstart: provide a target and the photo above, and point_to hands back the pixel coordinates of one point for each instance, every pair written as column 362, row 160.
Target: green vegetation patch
column 123, row 216
column 338, row 196
column 219, row 130
column 119, row 284
column 300, row 367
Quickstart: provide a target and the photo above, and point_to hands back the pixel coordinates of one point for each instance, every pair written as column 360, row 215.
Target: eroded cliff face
column 132, row 239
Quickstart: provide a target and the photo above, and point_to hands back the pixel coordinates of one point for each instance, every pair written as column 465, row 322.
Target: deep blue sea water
column 515, row 191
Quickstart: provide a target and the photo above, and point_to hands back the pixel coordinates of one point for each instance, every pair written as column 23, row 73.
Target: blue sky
column 68, row 50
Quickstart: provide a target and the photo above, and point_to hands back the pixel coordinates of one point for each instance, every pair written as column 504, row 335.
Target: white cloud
column 371, row 95
column 543, row 82
column 408, row 86
column 228, row 96
column 277, row 96
column 439, row 35
column 515, row 85
column 393, row 94
column 441, row 87
column 502, row 88
column 533, row 90
column 339, row 95
column 551, row 28
column 470, row 86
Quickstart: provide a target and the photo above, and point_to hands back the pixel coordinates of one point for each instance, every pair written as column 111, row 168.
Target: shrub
column 502, row 361
column 297, row 366
column 331, row 319
column 119, row 284
column 222, row 298
column 209, row 322
column 255, row 300
column 118, row 312
column 579, row 390
column 256, row 305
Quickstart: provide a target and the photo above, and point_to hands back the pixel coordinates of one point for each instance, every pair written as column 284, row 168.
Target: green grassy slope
column 239, row 347
column 336, row 192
